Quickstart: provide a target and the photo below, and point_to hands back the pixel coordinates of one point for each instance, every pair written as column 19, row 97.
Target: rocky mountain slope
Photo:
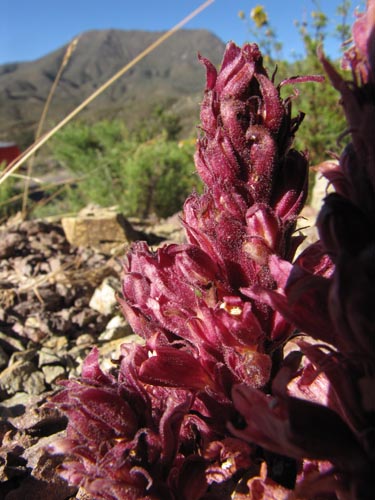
column 170, row 76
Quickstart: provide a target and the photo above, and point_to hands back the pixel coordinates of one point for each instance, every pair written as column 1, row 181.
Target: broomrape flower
column 322, row 409
column 159, row 429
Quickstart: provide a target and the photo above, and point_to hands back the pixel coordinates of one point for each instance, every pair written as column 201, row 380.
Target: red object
column 8, row 152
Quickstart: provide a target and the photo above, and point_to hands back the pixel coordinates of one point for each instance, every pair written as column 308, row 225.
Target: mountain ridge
column 170, row 76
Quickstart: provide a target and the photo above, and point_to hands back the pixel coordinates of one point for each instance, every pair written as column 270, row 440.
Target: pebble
column 10, row 343
column 27, row 355
column 116, row 328
column 21, row 376
column 4, row 358
column 52, row 373
column 104, row 299
column 48, row 357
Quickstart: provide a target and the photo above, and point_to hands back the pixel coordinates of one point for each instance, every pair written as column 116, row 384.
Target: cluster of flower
column 212, row 406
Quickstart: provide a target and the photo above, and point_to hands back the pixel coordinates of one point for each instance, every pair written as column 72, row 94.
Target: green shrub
column 159, row 175
column 10, row 197
column 115, row 168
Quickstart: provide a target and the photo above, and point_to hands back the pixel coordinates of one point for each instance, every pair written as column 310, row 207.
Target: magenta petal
column 110, row 409
column 299, row 306
column 296, row 428
column 175, row 368
column 250, row 367
column 177, row 407
column 92, row 370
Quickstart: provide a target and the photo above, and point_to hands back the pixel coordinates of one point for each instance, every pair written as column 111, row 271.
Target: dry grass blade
column 38, row 144
column 46, row 187
column 68, row 53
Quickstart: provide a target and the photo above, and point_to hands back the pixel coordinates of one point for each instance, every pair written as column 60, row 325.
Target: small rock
column 103, row 229
column 14, row 406
column 20, row 404
column 27, row 355
column 56, row 343
column 104, row 298
column 4, row 358
column 52, row 373
column 34, row 384
column 21, row 376
column 116, row 328
column 48, row 357
column 34, row 328
column 10, row 343
column 9, row 244
column 85, row 339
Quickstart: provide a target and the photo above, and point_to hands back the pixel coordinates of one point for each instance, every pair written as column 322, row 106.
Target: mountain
column 170, row 76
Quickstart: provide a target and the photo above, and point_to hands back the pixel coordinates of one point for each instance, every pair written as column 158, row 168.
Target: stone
column 14, row 406
column 86, row 339
column 4, row 358
column 56, row 343
column 34, row 328
column 21, row 376
column 9, row 244
column 27, row 355
column 34, row 384
column 103, row 229
column 104, row 299
column 10, row 343
column 117, row 328
column 52, row 373
column 48, row 357
column 20, row 405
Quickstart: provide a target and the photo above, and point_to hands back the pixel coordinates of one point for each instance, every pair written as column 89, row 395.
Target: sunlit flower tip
column 250, row 367
column 215, row 159
column 226, row 458
column 263, row 224
column 240, row 95
column 361, row 57
column 173, row 367
column 196, row 266
column 291, row 186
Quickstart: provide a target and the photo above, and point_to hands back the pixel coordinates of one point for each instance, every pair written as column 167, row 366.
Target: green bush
column 114, row 168
column 10, row 196
column 160, row 175
column 95, row 155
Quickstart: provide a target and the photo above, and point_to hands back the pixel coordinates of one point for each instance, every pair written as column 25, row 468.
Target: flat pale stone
column 103, row 229
column 104, row 299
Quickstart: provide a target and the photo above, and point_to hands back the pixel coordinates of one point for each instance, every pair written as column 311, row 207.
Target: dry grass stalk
column 68, row 53
column 46, row 187
column 12, row 167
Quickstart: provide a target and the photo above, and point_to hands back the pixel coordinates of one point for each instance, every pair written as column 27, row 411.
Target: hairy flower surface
column 159, row 429
column 331, row 389
column 213, row 335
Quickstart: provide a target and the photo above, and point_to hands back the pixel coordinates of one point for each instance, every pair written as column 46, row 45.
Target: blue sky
column 30, row 29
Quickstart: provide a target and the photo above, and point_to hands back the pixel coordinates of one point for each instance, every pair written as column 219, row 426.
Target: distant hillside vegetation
column 171, row 76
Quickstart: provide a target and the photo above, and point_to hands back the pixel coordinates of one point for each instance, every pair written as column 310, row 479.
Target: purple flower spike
column 205, row 309
column 329, row 295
